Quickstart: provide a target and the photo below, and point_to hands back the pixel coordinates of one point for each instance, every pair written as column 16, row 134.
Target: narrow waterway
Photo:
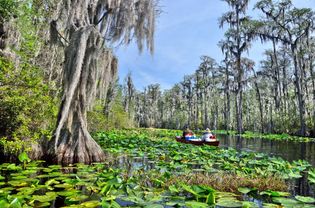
column 288, row 150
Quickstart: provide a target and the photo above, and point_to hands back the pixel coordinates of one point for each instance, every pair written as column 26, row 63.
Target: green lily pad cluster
column 173, row 156
column 111, row 184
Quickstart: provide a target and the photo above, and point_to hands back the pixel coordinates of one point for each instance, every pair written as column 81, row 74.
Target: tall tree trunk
column 72, row 143
column 276, row 76
column 299, row 92
column 239, row 98
column 259, row 102
column 227, row 106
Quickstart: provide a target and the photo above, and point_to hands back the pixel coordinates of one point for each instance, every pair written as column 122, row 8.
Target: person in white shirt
column 208, row 136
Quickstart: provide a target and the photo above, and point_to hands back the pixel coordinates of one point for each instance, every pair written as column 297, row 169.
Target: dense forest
column 275, row 95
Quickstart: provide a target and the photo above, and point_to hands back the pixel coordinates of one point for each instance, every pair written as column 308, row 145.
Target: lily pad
column 275, row 193
column 195, row 204
column 244, row 190
column 229, row 203
column 305, row 199
column 285, row 201
column 49, row 196
column 18, row 183
column 154, row 206
column 91, row 204
column 77, row 198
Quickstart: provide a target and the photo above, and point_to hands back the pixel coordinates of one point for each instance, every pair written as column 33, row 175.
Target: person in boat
column 207, row 136
column 188, row 134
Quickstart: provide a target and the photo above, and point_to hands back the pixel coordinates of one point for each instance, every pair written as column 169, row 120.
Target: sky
column 185, row 30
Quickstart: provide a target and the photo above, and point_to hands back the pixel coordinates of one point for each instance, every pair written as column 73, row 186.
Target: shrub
column 26, row 109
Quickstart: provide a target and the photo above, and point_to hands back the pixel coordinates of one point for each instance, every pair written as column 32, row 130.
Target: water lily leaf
column 195, row 204
column 64, row 185
column 51, row 181
column 229, row 203
column 305, row 199
column 244, row 190
column 74, row 198
column 247, row 204
column 42, row 204
column 268, row 205
column 27, row 191
column 13, row 167
column 19, row 177
column 1, row 177
column 154, row 206
column 175, row 204
column 18, row 183
column 225, row 194
column 91, row 204
column 29, row 172
column 49, row 196
column 285, row 201
column 275, row 193
column 177, row 158
column 133, row 199
column 153, row 197
column 43, row 176
column 189, row 189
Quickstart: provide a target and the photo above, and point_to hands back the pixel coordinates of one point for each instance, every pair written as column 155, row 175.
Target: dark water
column 288, row 150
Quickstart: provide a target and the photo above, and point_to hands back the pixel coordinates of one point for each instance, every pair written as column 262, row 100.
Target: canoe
column 212, row 143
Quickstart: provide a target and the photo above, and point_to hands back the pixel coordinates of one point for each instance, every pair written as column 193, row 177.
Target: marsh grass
column 230, row 182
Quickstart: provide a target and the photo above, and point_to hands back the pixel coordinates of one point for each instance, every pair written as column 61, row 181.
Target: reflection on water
column 288, row 150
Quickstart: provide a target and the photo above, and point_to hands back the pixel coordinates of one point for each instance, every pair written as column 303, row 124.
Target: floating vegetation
column 278, row 137
column 155, row 172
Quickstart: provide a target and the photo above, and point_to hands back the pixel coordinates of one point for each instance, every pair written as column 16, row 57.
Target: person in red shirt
column 188, row 134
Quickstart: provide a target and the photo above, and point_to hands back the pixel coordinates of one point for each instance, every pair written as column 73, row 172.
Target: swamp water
column 287, row 150
column 126, row 181
column 114, row 184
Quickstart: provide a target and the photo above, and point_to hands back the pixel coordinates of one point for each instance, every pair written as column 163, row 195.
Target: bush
column 27, row 111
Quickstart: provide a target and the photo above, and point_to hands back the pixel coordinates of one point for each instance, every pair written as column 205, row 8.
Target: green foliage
column 161, row 145
column 113, row 184
column 7, row 8
column 96, row 118
column 284, row 137
column 116, row 118
column 26, row 108
column 23, row 157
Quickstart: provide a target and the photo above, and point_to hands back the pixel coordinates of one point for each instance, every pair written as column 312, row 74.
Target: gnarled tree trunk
column 87, row 63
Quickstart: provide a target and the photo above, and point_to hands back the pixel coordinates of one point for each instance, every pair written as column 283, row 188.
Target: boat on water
column 197, row 142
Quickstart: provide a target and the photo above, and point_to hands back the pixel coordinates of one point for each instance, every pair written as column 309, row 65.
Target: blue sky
column 185, row 31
